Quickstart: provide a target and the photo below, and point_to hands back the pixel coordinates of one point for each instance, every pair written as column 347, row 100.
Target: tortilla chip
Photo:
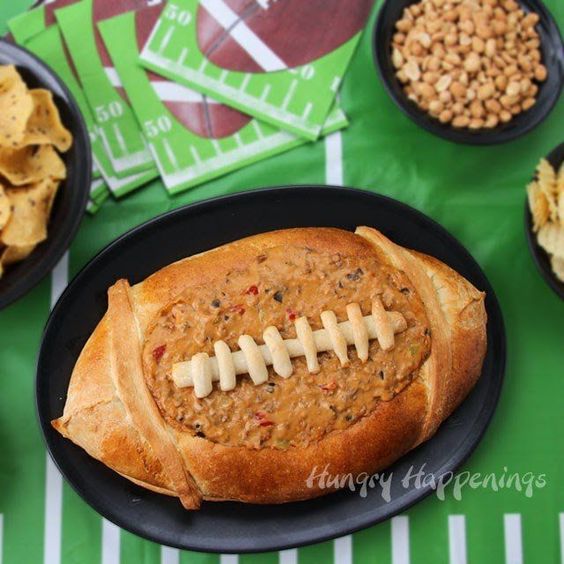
column 30, row 213
column 31, row 164
column 16, row 253
column 16, row 106
column 538, row 205
column 551, row 239
column 44, row 126
column 5, row 208
column 557, row 264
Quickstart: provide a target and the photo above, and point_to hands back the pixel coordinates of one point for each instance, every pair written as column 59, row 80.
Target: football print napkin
column 192, row 137
column 279, row 60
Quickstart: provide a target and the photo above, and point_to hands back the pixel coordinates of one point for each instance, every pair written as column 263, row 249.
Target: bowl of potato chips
column 544, row 219
column 45, row 170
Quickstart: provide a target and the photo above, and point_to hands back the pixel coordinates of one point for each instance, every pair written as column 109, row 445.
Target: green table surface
column 477, row 193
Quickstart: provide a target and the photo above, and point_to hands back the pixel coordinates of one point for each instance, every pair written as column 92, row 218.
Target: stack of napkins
column 189, row 90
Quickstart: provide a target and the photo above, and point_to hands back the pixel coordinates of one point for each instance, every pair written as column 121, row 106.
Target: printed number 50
column 155, row 126
column 174, row 13
column 109, row 111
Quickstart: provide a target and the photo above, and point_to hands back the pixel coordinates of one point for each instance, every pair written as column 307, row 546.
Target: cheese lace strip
column 201, row 371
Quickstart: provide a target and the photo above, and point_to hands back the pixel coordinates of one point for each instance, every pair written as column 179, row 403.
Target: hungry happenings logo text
column 419, row 478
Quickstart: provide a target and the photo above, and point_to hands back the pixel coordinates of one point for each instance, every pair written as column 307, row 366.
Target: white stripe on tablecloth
column 110, row 542
column 53, row 478
column 169, row 555
column 289, row 556
column 561, row 519
column 245, row 37
column 1, row 536
column 334, row 159
column 229, row 559
column 400, row 540
column 457, row 539
column 513, row 540
column 342, row 550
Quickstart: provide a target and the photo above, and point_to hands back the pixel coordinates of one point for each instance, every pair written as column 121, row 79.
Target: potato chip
column 16, row 106
column 5, row 208
column 557, row 264
column 546, row 178
column 30, row 213
column 16, row 253
column 31, row 164
column 551, row 239
column 44, row 126
column 538, row 205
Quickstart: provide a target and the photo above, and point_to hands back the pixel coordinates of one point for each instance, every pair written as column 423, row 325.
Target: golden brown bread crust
column 101, row 416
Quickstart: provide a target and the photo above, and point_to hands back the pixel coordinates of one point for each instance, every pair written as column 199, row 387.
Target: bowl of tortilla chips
column 45, row 171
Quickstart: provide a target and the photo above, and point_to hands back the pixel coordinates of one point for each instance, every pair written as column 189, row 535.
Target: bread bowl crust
column 100, row 417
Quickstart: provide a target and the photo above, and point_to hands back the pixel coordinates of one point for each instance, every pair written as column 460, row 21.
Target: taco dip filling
column 276, row 288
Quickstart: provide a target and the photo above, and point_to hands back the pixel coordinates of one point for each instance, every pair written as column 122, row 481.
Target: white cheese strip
column 360, row 333
column 307, row 340
column 253, row 359
column 182, row 372
column 329, row 320
column 384, row 332
column 225, row 366
column 201, row 374
column 280, row 358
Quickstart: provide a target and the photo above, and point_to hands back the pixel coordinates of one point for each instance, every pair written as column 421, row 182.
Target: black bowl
column 549, row 91
column 73, row 194
column 540, row 256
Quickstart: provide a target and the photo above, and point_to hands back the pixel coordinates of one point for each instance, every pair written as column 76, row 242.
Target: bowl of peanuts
column 472, row 71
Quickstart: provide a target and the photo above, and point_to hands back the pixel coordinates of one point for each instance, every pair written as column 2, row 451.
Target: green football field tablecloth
column 478, row 194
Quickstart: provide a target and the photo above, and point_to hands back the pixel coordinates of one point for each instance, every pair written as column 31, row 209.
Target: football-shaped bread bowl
column 236, row 373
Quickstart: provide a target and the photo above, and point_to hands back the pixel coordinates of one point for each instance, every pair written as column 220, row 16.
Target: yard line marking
column 400, row 540
column 289, row 556
column 255, row 47
column 561, row 518
column 223, row 76
column 245, row 82
column 169, row 555
column 153, row 32
column 1, row 536
column 265, row 93
column 307, row 110
column 257, row 129
column 110, row 542
column 166, row 39
column 289, row 94
column 59, row 278
column 53, row 513
column 53, row 478
column 238, row 140
column 228, row 559
column 203, row 65
column 334, row 159
column 513, row 538
column 195, row 154
column 216, row 146
column 342, row 550
column 119, row 137
column 183, row 55
column 457, row 539
column 170, row 154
